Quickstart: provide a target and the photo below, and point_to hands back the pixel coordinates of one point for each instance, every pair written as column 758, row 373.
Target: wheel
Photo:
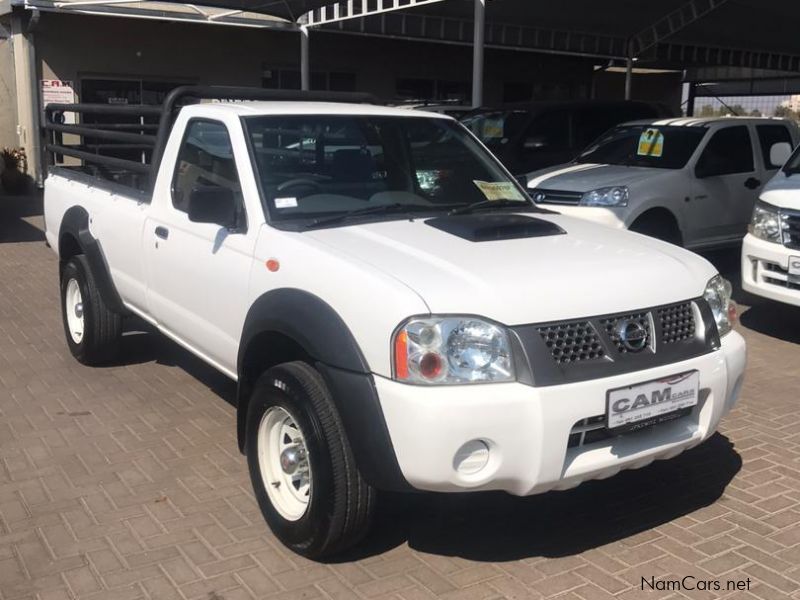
column 662, row 228
column 93, row 331
column 302, row 468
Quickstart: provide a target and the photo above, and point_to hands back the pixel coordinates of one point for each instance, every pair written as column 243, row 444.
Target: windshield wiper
column 505, row 203
column 379, row 209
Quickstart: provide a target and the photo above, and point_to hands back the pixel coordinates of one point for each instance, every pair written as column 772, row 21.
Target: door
column 725, row 187
column 198, row 271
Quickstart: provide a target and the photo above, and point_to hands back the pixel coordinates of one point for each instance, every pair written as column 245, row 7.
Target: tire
column 93, row 331
column 664, row 229
column 338, row 504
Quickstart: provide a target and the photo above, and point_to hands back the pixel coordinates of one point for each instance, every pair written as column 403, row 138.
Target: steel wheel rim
column 280, row 437
column 73, row 308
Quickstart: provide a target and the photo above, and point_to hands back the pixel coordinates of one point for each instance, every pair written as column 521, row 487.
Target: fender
column 76, row 223
column 326, row 341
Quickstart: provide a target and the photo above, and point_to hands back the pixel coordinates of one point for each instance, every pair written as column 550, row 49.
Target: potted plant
column 13, row 177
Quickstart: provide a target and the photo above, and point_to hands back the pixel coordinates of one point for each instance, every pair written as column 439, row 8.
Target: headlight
column 452, row 350
column 766, row 223
column 607, row 196
column 718, row 295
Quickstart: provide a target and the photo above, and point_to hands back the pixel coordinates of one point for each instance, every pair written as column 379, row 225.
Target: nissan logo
column 539, row 197
column 632, row 335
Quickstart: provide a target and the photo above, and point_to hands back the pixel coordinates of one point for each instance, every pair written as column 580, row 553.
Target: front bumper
column 527, row 429
column 765, row 270
column 610, row 217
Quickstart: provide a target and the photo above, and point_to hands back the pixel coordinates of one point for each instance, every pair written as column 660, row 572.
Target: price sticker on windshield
column 501, row 190
column 651, row 143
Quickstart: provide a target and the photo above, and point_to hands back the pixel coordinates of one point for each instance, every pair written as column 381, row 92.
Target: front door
column 199, row 272
column 725, row 187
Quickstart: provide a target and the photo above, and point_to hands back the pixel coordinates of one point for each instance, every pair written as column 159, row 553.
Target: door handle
column 752, row 183
column 162, row 232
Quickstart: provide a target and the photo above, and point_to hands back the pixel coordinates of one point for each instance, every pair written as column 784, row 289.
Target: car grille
column 776, row 275
column 540, row 195
column 588, row 431
column 572, row 342
column 791, row 229
column 611, row 326
column 677, row 323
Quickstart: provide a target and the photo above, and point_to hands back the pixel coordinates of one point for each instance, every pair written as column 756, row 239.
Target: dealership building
column 474, row 52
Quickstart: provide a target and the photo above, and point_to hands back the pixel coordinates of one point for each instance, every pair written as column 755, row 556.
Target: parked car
column 771, row 248
column 692, row 182
column 397, row 313
column 531, row 136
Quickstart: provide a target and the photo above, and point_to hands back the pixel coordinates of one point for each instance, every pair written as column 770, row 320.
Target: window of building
column 289, row 79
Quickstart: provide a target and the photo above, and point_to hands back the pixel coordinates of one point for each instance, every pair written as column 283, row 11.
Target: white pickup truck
column 771, row 248
column 690, row 181
column 398, row 315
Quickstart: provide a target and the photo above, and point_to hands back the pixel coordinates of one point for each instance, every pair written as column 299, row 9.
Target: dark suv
column 531, row 136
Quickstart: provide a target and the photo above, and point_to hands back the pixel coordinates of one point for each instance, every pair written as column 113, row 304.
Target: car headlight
column 718, row 295
column 452, row 350
column 766, row 223
column 607, row 196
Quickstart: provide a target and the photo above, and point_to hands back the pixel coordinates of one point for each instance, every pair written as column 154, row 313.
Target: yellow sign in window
column 651, row 143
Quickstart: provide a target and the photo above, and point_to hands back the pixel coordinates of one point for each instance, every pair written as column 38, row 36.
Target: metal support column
column 628, row 77
column 690, row 96
column 305, row 69
column 478, row 42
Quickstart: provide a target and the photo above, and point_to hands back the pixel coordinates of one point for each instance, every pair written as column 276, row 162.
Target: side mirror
column 779, row 153
column 213, row 204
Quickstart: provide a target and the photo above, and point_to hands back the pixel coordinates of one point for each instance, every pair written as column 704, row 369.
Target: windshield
column 496, row 128
column 653, row 146
column 312, row 166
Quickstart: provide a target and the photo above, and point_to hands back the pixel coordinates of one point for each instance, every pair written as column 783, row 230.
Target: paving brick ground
column 125, row 482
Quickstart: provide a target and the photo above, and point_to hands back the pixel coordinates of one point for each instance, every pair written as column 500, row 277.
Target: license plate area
column 794, row 269
column 645, row 404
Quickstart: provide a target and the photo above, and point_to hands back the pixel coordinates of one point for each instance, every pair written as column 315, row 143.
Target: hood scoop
column 491, row 228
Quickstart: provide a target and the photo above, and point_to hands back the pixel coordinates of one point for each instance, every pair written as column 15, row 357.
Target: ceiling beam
column 670, row 24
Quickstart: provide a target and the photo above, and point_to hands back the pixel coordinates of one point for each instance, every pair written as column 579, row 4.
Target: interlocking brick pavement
column 125, row 482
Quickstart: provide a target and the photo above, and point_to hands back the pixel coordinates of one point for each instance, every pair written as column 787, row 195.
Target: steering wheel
column 290, row 183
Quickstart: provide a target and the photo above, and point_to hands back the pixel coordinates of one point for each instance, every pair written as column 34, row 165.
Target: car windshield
column 653, row 146
column 317, row 166
column 495, row 128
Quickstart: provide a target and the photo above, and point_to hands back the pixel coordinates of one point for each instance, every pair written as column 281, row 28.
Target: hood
column 583, row 270
column 782, row 191
column 584, row 177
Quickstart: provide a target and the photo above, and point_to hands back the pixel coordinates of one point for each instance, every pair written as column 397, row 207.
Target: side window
column 205, row 159
column 768, row 136
column 728, row 151
column 549, row 132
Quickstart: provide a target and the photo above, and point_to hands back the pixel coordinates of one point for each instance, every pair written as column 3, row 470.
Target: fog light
column 471, row 457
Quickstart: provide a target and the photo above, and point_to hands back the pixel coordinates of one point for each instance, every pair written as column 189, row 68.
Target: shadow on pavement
column 774, row 319
column 498, row 527
column 13, row 211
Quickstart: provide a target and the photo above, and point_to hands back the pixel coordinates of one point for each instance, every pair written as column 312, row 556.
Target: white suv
column 692, row 182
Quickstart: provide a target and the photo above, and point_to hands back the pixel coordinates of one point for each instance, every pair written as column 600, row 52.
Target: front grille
column 612, row 324
column 541, row 195
column 776, row 275
column 572, row 342
column 677, row 323
column 588, row 431
column 791, row 229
